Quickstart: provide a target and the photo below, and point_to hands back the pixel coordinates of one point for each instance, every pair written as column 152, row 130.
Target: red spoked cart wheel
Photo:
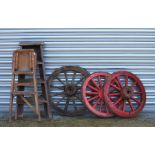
column 92, row 92
column 125, row 94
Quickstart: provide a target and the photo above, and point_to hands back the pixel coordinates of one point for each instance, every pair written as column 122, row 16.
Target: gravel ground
column 143, row 120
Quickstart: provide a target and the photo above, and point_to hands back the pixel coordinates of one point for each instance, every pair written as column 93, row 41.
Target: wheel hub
column 70, row 90
column 127, row 92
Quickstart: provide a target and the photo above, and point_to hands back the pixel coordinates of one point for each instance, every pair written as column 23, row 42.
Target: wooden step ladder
column 38, row 48
column 24, row 63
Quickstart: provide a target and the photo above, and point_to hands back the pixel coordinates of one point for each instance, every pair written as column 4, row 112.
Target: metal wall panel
column 94, row 49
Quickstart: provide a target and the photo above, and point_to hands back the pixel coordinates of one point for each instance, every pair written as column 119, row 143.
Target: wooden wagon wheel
column 125, row 94
column 65, row 85
column 92, row 92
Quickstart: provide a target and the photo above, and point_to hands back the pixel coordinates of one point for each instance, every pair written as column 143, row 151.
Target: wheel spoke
column 66, row 105
column 94, row 105
column 138, row 102
column 57, row 94
column 133, row 84
column 66, row 78
column 115, row 103
column 126, row 81
column 60, row 81
column 107, row 109
column 124, row 105
column 93, row 88
column 57, row 103
column 115, row 87
column 82, row 78
column 130, row 104
column 91, row 93
column 120, row 105
column 118, row 82
column 138, row 93
column 114, row 94
column 74, row 105
column 101, row 106
column 95, row 84
column 93, row 98
column 112, row 91
column 73, row 78
column 100, row 82
column 58, row 87
column 79, row 98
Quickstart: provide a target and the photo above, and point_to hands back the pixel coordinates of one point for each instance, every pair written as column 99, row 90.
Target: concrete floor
column 144, row 119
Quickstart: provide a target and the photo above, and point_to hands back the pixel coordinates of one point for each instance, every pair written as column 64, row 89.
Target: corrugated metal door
column 94, row 49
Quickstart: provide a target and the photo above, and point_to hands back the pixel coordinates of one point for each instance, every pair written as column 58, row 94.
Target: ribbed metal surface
column 94, row 49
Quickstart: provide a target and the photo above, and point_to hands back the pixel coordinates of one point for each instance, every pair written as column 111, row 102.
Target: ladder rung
column 24, row 84
column 29, row 82
column 23, row 93
column 31, row 43
column 23, row 72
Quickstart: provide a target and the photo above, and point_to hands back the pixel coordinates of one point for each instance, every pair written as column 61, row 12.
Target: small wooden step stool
column 24, row 63
column 38, row 48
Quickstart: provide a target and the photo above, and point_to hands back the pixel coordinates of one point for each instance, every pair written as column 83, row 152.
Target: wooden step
column 29, row 82
column 23, row 72
column 23, row 93
column 31, row 43
column 26, row 84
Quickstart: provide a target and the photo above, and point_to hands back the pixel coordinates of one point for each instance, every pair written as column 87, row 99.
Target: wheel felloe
column 93, row 94
column 125, row 94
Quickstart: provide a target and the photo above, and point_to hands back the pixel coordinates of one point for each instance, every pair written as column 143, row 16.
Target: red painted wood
column 128, row 95
column 92, row 92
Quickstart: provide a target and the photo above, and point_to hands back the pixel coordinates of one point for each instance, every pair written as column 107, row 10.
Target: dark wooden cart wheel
column 125, row 94
column 65, row 85
column 92, row 92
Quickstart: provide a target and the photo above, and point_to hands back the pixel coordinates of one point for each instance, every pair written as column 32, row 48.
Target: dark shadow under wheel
column 64, row 86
